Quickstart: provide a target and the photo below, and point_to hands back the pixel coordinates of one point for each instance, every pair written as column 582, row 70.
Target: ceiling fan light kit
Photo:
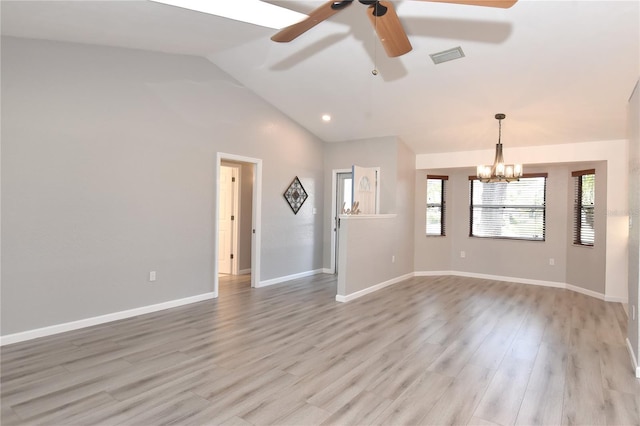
column 499, row 172
column 383, row 17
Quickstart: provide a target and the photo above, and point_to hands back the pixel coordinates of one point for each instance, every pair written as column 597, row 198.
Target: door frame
column 256, row 216
column 334, row 208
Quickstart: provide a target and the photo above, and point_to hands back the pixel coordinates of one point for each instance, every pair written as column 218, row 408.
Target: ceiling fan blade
column 505, row 4
column 389, row 28
column 318, row 15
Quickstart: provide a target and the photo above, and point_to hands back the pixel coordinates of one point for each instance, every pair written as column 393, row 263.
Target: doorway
column 249, row 211
column 228, row 219
column 343, row 190
column 342, row 198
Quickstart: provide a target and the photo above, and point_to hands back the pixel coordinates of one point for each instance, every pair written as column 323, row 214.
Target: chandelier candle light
column 499, row 172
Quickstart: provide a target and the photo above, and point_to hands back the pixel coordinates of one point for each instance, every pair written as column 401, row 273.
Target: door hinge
column 233, row 217
column 233, row 179
column 231, row 256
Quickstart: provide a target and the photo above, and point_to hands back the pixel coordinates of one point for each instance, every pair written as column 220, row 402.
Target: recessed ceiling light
column 251, row 11
column 326, row 118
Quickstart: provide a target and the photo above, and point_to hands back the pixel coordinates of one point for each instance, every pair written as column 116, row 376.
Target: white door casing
column 343, row 200
column 256, row 216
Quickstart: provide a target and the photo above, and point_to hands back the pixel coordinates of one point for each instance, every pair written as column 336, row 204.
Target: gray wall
column 634, row 207
column 405, row 208
column 432, row 253
column 367, row 247
column 368, row 244
column 379, row 152
column 527, row 260
column 108, row 163
column 246, row 202
column 586, row 265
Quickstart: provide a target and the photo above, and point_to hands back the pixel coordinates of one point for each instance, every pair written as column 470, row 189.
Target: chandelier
column 499, row 172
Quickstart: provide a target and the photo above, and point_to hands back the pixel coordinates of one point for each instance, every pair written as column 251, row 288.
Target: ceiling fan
column 383, row 17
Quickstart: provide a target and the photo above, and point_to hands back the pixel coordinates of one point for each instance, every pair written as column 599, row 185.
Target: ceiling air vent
column 447, row 55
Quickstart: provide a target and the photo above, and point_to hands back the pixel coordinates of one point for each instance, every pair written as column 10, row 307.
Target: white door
column 227, row 219
column 365, row 189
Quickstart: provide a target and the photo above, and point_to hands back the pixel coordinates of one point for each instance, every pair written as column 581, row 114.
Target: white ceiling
column 562, row 71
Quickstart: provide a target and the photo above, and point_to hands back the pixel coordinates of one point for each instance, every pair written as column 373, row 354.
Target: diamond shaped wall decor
column 295, row 195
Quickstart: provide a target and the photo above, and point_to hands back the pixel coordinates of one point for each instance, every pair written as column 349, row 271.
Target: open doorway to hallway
column 237, row 221
column 229, row 219
column 343, row 194
column 343, row 198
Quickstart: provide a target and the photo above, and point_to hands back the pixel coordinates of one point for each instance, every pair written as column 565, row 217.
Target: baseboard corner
column 278, row 280
column 634, row 361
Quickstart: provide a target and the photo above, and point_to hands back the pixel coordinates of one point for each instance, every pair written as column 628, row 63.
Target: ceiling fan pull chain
column 374, row 71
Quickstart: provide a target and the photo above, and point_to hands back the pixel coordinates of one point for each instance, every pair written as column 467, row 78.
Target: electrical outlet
column 552, row 261
column 152, row 276
column 393, row 259
column 463, row 254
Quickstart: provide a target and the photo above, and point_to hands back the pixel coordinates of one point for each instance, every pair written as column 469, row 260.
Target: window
column 436, row 196
column 509, row 210
column 584, row 207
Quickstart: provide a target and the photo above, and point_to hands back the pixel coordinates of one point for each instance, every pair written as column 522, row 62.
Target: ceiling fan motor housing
column 378, row 9
column 339, row 5
column 382, row 15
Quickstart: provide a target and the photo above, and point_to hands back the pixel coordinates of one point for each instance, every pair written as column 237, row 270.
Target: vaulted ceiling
column 562, row 71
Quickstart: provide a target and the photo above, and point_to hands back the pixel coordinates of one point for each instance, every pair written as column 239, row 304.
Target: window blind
column 436, row 205
column 584, row 207
column 513, row 210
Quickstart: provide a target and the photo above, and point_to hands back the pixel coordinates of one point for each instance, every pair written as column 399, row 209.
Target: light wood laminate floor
column 430, row 350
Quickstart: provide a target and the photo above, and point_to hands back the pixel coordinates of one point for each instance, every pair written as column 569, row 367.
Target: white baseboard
column 623, row 300
column 373, row 288
column 586, row 292
column 528, row 281
column 433, row 273
column 328, row 271
column 279, row 280
column 88, row 322
column 244, row 271
column 634, row 361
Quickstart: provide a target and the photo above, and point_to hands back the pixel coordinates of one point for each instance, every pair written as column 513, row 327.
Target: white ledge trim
column 367, row 216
